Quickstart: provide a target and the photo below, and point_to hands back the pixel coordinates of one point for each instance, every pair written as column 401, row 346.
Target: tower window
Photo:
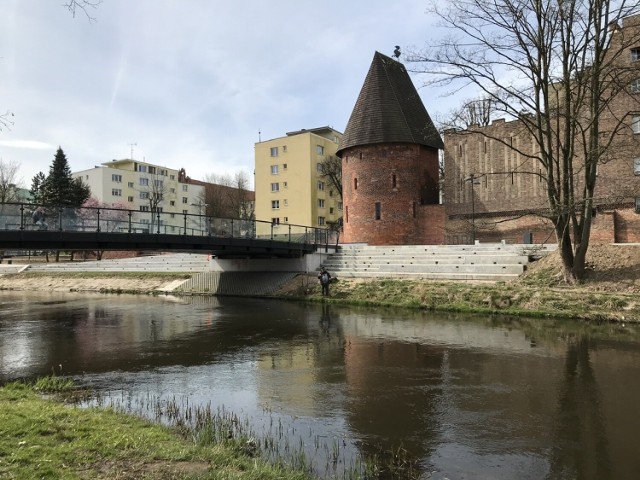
column 378, row 210
column 355, row 183
column 394, row 183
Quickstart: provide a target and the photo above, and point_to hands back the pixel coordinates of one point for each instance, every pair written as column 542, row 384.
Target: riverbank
column 610, row 291
column 44, row 438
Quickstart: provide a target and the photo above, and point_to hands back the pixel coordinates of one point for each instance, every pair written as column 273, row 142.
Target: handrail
column 20, row 216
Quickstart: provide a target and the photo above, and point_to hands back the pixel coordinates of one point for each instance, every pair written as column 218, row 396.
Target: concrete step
column 490, row 269
column 432, row 276
column 338, row 260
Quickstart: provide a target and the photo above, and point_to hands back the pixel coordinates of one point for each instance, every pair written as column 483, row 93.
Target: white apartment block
column 133, row 183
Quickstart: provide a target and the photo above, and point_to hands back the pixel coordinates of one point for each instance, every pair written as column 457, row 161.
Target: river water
column 466, row 396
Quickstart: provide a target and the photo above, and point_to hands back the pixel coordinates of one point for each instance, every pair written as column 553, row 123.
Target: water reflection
column 469, row 397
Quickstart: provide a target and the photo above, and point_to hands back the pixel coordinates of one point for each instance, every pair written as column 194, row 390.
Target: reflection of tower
column 389, row 157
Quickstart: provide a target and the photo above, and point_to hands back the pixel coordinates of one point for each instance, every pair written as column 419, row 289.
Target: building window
column 274, row 151
column 286, row 202
column 274, row 169
column 275, row 187
column 284, row 184
column 116, row 192
column 130, row 184
column 158, row 183
column 637, row 204
column 331, row 211
column 634, row 86
column 130, row 199
column 284, row 148
column 184, row 212
column 285, row 219
column 172, row 177
column 144, row 208
column 116, row 178
column 319, row 149
column 319, row 167
column 275, row 221
column 142, row 168
column 320, row 185
column 339, row 205
column 284, row 166
column 152, row 170
column 185, row 200
column 394, row 182
column 144, row 182
column 321, row 203
column 185, row 188
column 355, row 183
column 321, row 221
column 635, row 54
column 172, row 203
column 275, row 204
column 636, row 166
column 635, row 123
column 144, row 195
column 378, row 210
column 172, row 190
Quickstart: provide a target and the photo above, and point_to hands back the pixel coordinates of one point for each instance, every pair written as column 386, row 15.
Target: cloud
column 27, row 144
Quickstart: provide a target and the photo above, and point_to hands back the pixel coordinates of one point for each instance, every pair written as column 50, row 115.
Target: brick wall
column 384, row 189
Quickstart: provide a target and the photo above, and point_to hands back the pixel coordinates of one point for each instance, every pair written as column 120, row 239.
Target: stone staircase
column 489, row 262
column 177, row 262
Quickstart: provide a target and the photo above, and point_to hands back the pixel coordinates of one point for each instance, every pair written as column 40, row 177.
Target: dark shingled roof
column 389, row 110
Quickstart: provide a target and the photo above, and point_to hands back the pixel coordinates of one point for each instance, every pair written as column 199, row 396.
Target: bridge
column 27, row 226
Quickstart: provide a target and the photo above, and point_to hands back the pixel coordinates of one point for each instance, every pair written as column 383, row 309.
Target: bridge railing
column 31, row 216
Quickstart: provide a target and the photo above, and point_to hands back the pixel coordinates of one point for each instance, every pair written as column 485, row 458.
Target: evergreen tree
column 37, row 188
column 60, row 188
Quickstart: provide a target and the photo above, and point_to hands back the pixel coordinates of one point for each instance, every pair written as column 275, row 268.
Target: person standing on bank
column 325, row 279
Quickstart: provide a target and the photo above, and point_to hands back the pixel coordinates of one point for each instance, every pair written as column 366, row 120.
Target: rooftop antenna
column 132, row 145
column 259, row 136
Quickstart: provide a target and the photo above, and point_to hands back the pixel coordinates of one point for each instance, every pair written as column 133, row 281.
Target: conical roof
column 389, row 110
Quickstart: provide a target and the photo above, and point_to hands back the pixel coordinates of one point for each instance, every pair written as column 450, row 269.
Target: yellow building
column 289, row 187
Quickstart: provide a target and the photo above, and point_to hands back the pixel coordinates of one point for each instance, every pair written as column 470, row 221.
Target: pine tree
column 60, row 188
column 37, row 188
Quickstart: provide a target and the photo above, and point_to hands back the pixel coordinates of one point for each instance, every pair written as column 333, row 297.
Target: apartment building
column 147, row 189
column 289, row 187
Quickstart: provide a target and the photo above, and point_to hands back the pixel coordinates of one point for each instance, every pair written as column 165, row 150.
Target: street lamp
column 474, row 181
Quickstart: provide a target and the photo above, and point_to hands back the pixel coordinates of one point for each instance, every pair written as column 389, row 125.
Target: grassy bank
column 44, row 438
column 529, row 296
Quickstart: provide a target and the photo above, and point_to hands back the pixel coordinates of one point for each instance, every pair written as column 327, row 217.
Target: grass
column 44, row 438
column 538, row 296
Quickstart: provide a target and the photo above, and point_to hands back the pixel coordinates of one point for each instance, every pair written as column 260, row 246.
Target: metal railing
column 32, row 217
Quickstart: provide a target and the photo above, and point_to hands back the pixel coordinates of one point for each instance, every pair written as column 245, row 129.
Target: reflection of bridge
column 66, row 228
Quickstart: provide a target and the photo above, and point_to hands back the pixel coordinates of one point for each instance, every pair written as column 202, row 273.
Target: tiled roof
column 389, row 110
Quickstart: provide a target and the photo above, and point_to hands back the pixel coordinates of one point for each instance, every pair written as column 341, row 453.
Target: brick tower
column 389, row 157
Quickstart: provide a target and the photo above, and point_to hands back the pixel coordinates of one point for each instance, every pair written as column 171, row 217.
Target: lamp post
column 474, row 181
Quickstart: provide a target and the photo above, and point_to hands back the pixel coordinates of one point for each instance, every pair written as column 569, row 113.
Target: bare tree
column 563, row 62
column 6, row 120
column 478, row 111
column 84, row 6
column 228, row 196
column 331, row 170
column 241, row 201
column 9, row 181
column 153, row 190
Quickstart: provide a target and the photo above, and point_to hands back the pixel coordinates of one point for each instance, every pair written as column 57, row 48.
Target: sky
column 188, row 84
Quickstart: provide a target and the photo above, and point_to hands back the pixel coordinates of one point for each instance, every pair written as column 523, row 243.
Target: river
column 465, row 396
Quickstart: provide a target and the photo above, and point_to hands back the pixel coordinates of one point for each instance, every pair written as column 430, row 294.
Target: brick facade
column 492, row 177
column 390, row 194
